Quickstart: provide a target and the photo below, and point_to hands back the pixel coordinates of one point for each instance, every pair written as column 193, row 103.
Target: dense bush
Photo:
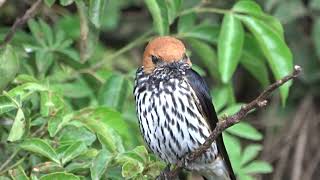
column 66, row 107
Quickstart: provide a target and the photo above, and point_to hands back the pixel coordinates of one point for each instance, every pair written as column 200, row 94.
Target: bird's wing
column 202, row 92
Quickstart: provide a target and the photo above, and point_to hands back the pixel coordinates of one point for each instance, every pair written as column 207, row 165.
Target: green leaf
column 76, row 89
column 47, row 167
column 113, row 92
column 100, row 164
column 233, row 148
column 206, row 32
column 253, row 9
column 6, row 106
column 44, row 60
column 250, row 152
column 316, row 35
column 159, row 14
column 50, row 103
column 47, row 32
column 229, row 46
column 274, row 48
column 40, row 147
column 49, row 2
column 18, row 174
column 173, row 7
column 57, row 122
column 96, row 10
column 219, row 99
column 186, row 22
column 18, row 127
column 207, row 55
column 106, row 135
column 255, row 167
column 245, row 130
column 60, row 175
column 9, row 65
column 230, row 110
column 70, row 134
column 131, row 168
column 66, row 2
column 37, row 32
column 73, row 151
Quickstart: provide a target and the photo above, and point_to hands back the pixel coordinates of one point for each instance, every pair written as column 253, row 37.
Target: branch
column 259, row 102
column 19, row 22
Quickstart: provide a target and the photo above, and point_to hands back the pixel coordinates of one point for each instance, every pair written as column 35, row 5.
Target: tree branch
column 19, row 22
column 227, row 122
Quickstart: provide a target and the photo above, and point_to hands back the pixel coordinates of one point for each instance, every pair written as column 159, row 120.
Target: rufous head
column 163, row 50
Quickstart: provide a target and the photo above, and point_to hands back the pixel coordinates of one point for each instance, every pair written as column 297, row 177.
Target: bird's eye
column 155, row 59
column 185, row 57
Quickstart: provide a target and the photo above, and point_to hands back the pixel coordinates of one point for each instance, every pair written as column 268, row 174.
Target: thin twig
column 259, row 102
column 9, row 159
column 19, row 22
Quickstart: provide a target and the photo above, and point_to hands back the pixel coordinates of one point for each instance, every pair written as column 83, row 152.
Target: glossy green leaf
column 50, row 103
column 40, row 147
column 207, row 55
column 73, row 151
column 47, row 167
column 18, row 174
column 230, row 110
column 250, row 152
column 274, row 48
column 206, row 32
column 96, row 10
column 18, row 127
column 261, row 167
column 219, row 99
column 100, row 164
column 49, row 2
column 245, row 130
column 6, row 106
column 158, row 11
column 186, row 22
column 60, row 175
column 173, row 9
column 253, row 9
column 9, row 65
column 229, row 46
column 233, row 148
column 113, row 93
column 78, row 166
column 66, row 2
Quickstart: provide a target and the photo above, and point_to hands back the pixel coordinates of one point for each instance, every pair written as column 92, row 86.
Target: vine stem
column 205, row 10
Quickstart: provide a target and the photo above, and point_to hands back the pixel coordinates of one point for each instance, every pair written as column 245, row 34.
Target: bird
column 175, row 110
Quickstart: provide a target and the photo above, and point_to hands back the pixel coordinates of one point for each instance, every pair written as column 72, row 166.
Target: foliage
column 67, row 110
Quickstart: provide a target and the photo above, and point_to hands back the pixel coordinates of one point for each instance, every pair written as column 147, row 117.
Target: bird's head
column 163, row 51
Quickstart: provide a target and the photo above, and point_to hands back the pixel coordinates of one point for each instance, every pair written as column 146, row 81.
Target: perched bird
column 175, row 110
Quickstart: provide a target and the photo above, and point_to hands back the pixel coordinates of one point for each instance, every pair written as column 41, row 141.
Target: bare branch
column 19, row 22
column 259, row 102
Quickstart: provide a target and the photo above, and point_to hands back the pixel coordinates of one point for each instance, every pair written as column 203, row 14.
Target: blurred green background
column 67, row 76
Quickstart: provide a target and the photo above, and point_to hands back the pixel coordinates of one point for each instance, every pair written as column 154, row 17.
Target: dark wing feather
column 202, row 92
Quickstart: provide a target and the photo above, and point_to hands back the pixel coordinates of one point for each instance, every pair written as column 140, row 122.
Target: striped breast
column 169, row 120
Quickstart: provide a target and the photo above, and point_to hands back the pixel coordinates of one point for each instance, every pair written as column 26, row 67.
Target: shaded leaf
column 49, row 2
column 316, row 35
column 274, row 48
column 173, row 7
column 186, row 22
column 18, row 174
column 100, row 164
column 206, row 32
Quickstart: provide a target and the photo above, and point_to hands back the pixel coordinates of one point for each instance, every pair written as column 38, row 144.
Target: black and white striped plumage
column 176, row 115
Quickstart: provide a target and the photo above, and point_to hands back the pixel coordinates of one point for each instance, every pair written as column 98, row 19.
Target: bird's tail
column 218, row 171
